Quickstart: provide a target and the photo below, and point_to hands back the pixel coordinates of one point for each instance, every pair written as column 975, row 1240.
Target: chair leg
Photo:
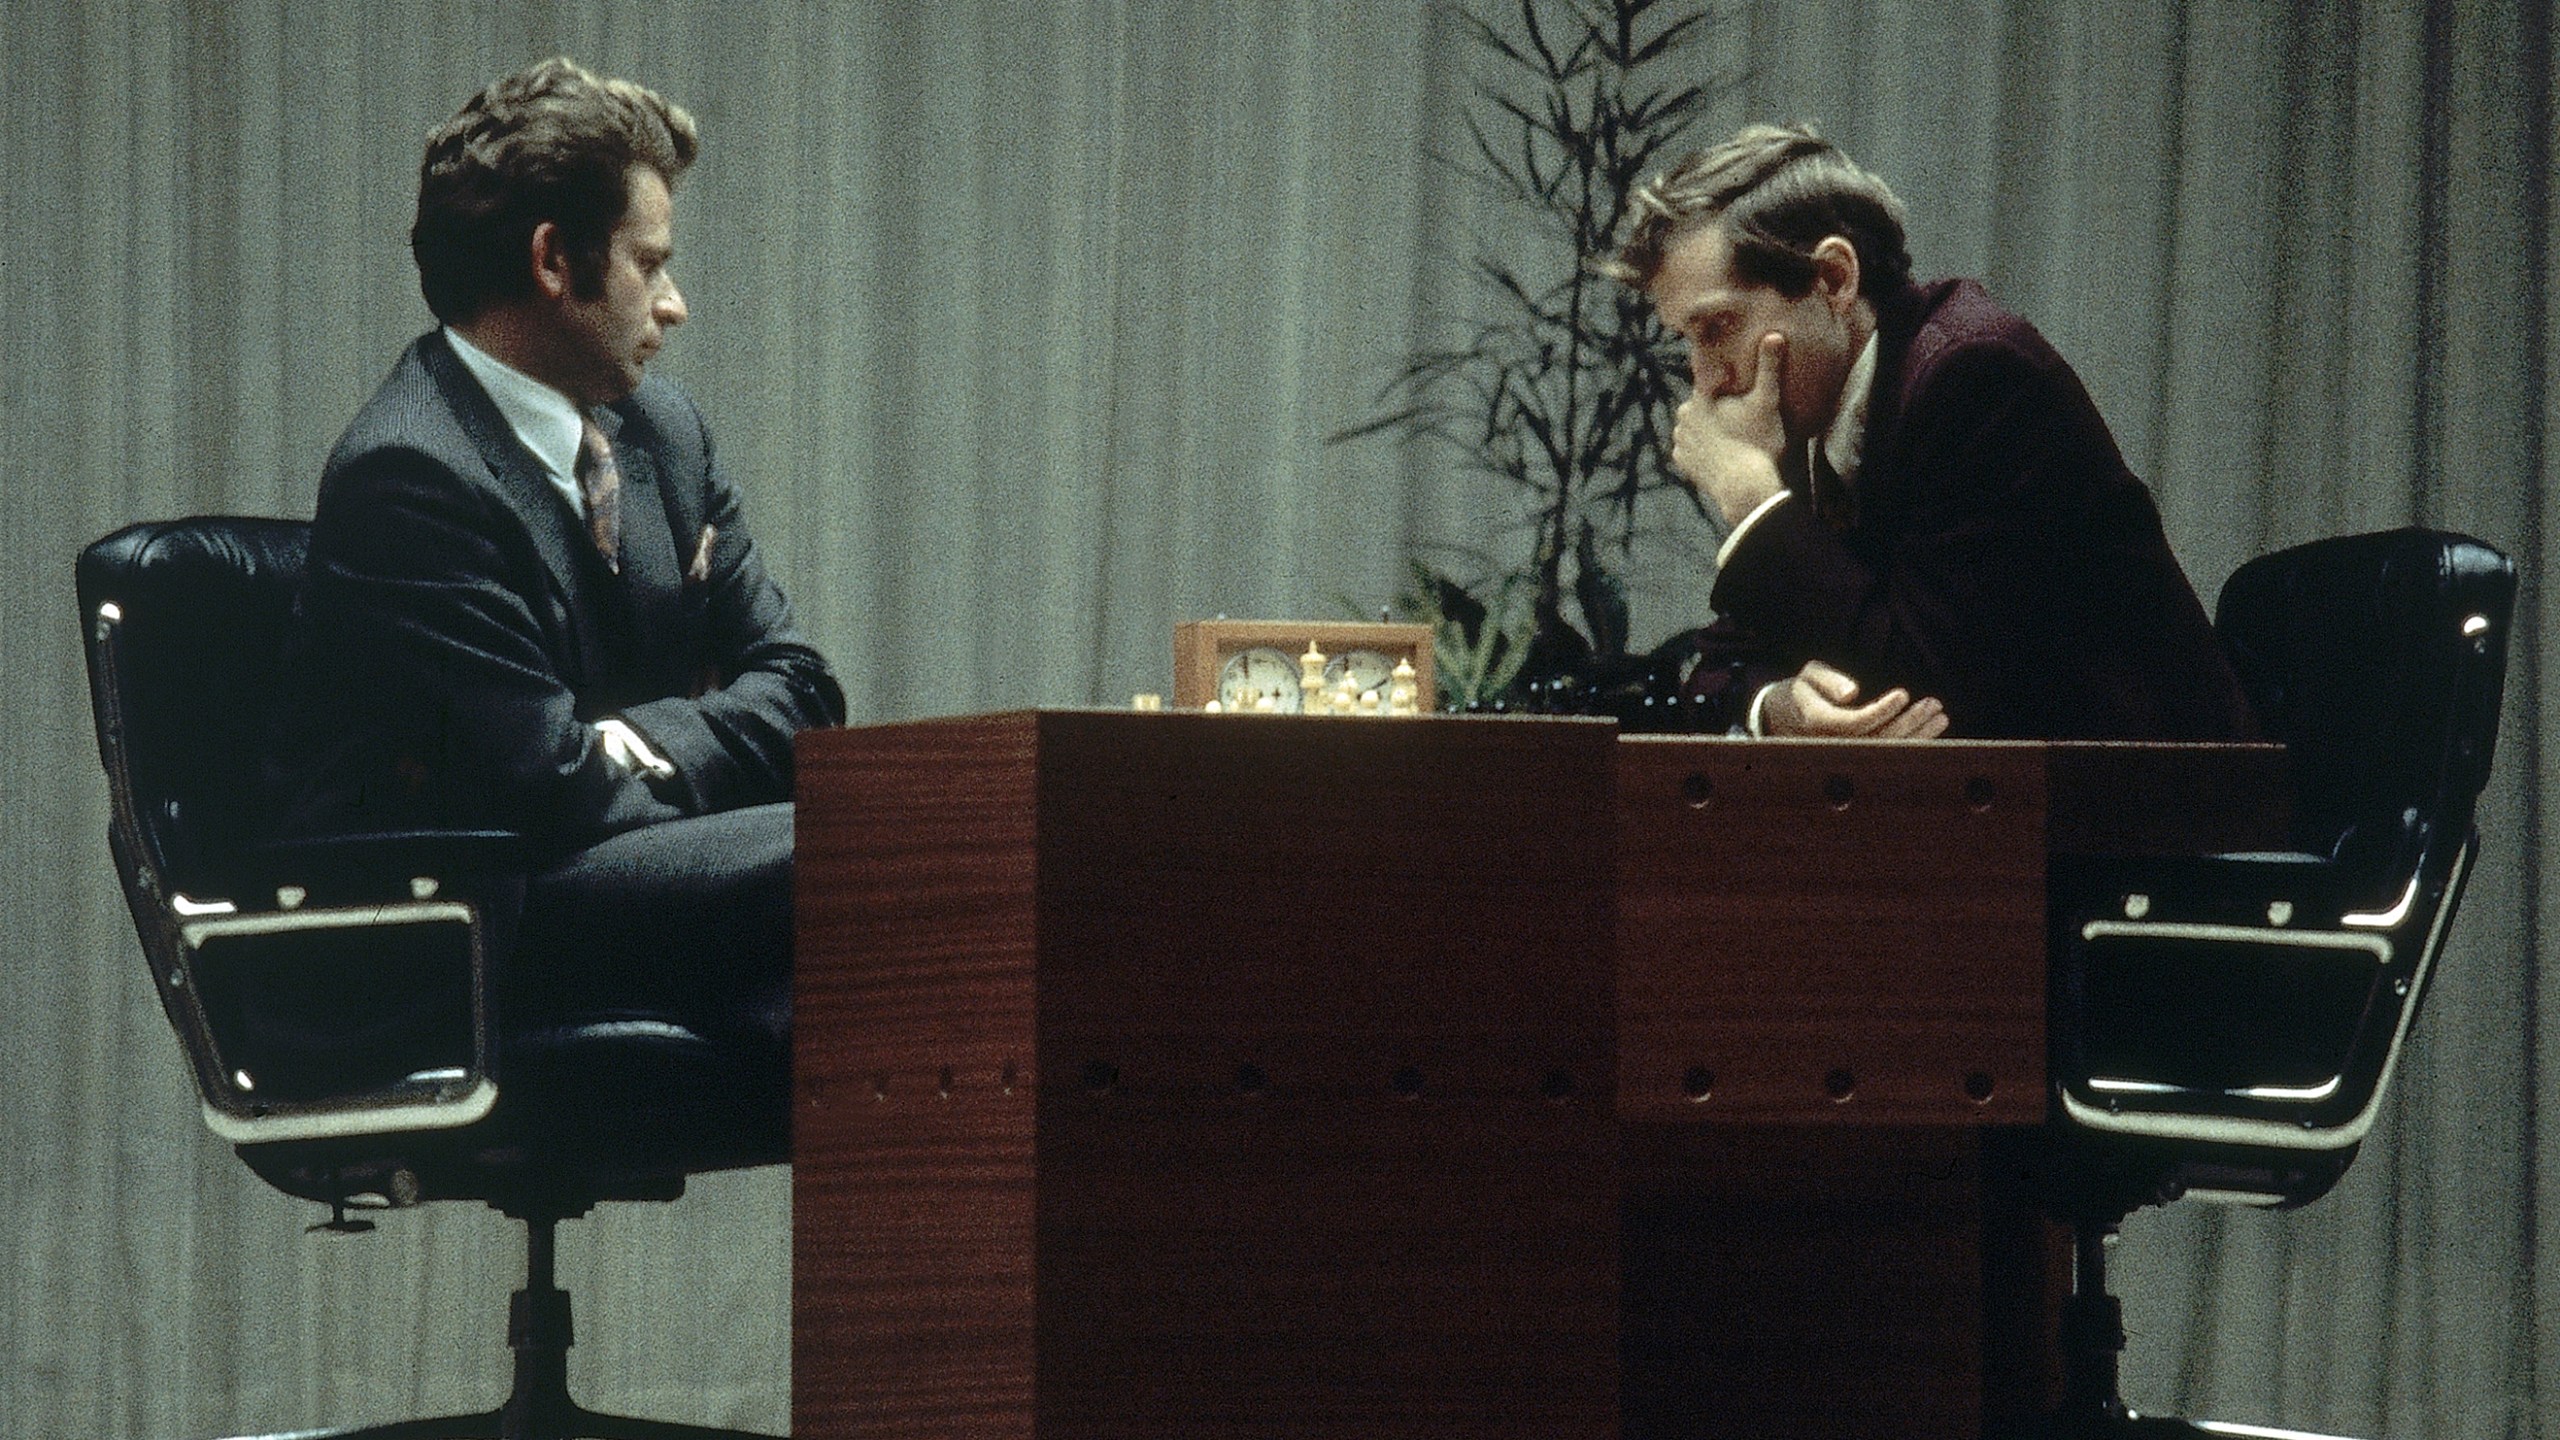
column 592, row 1426
column 538, row 1406
column 575, row 1423
column 540, row 1332
column 2092, row 1339
column 481, row 1426
column 2093, row 1405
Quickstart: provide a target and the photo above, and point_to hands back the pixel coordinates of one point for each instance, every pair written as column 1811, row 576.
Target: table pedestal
column 1182, row 1075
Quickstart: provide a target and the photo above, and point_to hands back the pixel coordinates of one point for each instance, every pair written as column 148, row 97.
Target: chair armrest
column 334, row 1020
column 2199, row 889
column 359, row 869
column 2249, row 1001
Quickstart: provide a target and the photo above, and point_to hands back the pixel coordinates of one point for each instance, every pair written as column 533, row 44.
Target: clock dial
column 1367, row 670
column 1259, row 679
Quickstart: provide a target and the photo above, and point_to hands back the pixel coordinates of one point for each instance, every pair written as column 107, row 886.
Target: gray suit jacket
column 457, row 633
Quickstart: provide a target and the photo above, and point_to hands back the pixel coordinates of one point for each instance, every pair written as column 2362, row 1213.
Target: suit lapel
column 558, row 534
column 1880, row 462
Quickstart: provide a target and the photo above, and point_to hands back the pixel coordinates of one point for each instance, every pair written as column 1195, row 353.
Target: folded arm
column 729, row 735
column 430, row 664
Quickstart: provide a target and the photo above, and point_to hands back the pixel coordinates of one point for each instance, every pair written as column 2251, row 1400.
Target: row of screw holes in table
column 1841, row 1084
column 1698, row 1083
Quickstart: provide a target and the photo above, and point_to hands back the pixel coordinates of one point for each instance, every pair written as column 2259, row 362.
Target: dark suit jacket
column 2001, row 557
column 457, row 632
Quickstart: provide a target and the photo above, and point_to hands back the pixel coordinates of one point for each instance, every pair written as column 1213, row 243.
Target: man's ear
column 550, row 261
column 1835, row 271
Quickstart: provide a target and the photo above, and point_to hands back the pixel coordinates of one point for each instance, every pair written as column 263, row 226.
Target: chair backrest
column 297, row 1023
column 186, row 623
column 336, row 1033
column 2231, row 1023
column 2379, row 661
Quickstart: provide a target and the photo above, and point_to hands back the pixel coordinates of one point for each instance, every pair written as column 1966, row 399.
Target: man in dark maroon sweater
column 1932, row 531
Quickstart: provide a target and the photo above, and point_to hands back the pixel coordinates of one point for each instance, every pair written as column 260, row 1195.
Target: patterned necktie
column 600, row 484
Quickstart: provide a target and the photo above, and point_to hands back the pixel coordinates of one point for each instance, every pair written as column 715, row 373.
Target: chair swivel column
column 540, row 1332
column 2092, row 1335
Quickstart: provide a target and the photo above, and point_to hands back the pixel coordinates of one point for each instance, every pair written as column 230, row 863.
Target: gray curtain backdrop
column 1023, row 322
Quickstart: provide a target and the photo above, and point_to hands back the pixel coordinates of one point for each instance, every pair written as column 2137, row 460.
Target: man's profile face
column 1722, row 317
column 609, row 334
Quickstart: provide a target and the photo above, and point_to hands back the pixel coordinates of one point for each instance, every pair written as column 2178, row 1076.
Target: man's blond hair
column 1778, row 190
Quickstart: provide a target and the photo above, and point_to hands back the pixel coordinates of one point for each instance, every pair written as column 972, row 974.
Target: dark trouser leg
column 691, row 917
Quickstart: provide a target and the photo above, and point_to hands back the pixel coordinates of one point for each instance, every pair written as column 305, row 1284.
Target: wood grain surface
column 1311, row 1127
column 1815, row 932
column 912, row 1234
column 1169, row 1074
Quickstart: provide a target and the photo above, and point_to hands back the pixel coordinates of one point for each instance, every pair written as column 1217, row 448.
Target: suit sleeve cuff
column 1730, row 541
column 674, row 728
column 1759, row 702
column 626, row 749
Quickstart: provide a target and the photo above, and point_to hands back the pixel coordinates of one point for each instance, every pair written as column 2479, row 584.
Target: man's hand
column 1727, row 446
column 1822, row 701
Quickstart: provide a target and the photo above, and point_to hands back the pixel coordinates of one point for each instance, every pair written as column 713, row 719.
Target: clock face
column 1259, row 679
column 1367, row 670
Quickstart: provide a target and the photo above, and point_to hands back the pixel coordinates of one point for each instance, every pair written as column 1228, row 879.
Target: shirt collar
column 548, row 422
column 1845, row 443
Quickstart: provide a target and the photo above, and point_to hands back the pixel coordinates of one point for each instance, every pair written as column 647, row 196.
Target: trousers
column 689, row 918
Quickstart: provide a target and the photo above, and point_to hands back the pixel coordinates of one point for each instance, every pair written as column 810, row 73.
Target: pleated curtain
column 1021, row 323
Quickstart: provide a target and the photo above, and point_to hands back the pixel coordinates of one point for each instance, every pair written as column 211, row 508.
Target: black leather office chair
column 346, row 1006
column 2226, row 1027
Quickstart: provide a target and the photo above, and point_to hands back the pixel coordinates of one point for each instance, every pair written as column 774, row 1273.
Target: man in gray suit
column 532, row 602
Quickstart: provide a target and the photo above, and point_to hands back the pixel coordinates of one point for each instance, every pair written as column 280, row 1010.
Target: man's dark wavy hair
column 1778, row 189
column 551, row 142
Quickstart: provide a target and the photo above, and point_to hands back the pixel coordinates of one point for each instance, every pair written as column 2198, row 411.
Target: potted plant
column 1565, row 391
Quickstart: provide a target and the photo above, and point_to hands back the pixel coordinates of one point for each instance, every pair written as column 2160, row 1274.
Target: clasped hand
column 1727, row 446
column 1823, row 701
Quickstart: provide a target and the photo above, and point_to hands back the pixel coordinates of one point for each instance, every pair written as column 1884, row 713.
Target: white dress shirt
column 548, row 422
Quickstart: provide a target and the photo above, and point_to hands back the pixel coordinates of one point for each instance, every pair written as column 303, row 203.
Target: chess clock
column 1263, row 665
